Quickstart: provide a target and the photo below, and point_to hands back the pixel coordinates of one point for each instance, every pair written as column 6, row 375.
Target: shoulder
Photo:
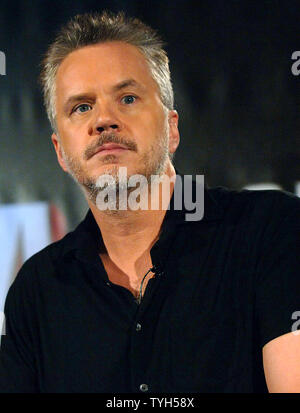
column 43, row 274
column 256, row 204
column 268, row 196
column 51, row 253
column 40, row 267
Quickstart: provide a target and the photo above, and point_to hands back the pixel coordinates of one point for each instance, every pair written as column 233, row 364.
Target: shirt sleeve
column 278, row 282
column 17, row 360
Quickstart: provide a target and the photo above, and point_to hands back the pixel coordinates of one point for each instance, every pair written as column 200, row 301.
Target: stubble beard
column 152, row 163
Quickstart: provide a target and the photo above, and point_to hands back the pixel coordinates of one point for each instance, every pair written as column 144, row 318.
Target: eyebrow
column 126, row 83
column 72, row 100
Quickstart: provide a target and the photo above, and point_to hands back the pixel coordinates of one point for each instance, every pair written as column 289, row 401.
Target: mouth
column 110, row 148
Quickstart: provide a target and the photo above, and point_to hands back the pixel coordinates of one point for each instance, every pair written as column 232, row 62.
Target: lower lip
column 113, row 151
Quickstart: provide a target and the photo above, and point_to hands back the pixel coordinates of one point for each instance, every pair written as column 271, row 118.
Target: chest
column 133, row 276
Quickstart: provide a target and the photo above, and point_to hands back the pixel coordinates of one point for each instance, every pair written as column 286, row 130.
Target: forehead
column 100, row 66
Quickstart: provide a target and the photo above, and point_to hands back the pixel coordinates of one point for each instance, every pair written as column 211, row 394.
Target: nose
column 107, row 127
column 105, row 120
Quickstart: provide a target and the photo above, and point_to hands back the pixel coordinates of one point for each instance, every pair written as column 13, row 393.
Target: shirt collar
column 87, row 235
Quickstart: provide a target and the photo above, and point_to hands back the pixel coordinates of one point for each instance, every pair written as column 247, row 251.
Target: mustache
column 108, row 137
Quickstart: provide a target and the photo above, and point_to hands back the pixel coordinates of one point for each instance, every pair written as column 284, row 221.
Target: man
column 144, row 300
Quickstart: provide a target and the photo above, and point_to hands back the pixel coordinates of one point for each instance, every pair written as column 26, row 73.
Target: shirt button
column 138, row 327
column 144, row 387
column 108, row 284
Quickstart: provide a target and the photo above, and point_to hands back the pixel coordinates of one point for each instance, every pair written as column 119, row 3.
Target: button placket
column 138, row 354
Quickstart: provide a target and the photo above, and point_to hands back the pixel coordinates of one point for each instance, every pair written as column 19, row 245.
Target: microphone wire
column 139, row 298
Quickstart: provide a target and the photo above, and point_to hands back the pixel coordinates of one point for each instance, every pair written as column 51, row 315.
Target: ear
column 57, row 147
column 174, row 137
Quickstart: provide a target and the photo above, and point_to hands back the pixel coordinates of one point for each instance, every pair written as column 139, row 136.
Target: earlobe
column 58, row 150
column 174, row 137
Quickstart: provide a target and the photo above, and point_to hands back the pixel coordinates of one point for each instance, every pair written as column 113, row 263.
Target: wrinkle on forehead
column 103, row 64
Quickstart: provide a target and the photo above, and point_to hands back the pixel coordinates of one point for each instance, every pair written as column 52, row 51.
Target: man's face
column 109, row 114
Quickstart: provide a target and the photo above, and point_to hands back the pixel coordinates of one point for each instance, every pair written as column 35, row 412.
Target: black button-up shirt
column 224, row 287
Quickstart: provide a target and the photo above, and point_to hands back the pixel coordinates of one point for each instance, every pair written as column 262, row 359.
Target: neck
column 129, row 233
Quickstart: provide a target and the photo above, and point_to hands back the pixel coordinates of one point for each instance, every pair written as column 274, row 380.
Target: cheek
column 71, row 155
column 72, row 141
column 151, row 125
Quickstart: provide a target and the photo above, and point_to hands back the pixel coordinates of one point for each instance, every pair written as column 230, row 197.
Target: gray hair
column 88, row 29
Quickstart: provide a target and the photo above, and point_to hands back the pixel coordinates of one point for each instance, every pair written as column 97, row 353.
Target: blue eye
column 84, row 107
column 128, row 99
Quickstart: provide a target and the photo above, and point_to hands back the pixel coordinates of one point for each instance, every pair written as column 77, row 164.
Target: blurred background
column 236, row 94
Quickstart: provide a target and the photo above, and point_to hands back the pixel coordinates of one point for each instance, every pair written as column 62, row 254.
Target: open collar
column 87, row 235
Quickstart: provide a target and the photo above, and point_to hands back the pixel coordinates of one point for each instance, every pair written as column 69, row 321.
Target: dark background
column 237, row 98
